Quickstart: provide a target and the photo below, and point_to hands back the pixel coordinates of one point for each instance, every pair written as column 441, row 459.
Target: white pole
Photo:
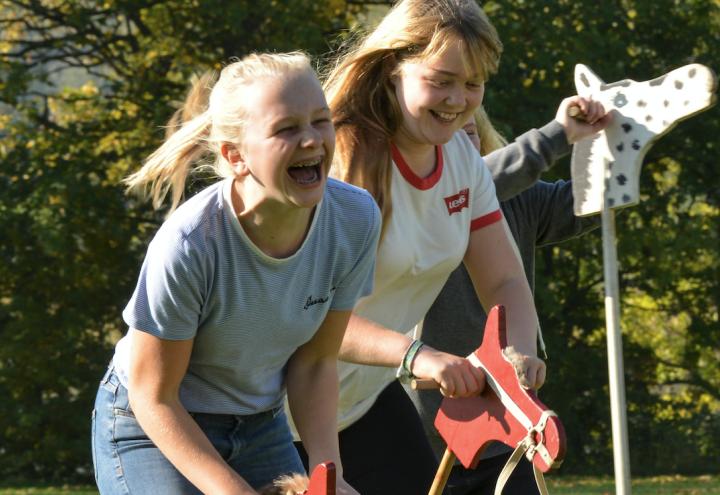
column 621, row 452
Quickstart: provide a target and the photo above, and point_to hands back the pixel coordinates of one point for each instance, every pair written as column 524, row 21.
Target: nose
column 456, row 97
column 311, row 138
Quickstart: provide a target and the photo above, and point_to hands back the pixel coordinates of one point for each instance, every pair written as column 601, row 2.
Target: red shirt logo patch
column 457, row 202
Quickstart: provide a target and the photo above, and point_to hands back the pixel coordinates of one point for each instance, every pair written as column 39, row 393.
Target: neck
column 277, row 229
column 420, row 157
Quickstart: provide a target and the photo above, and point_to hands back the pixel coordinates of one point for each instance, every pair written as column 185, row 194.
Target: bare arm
column 157, row 368
column 367, row 342
column 497, row 274
column 312, row 387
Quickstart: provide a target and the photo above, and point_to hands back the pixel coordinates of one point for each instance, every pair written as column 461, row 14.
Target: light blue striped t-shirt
column 203, row 278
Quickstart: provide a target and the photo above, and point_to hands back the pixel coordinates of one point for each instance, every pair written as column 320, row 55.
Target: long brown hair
column 362, row 97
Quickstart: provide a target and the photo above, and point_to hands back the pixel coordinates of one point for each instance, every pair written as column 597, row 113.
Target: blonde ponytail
column 196, row 101
column 167, row 167
column 216, row 116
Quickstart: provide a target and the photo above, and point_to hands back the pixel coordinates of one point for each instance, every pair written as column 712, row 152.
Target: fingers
column 603, row 122
column 462, row 380
column 530, row 372
column 590, row 111
column 590, row 118
column 456, row 376
column 479, row 376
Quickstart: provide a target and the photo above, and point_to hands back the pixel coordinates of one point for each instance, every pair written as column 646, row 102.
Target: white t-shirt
column 425, row 239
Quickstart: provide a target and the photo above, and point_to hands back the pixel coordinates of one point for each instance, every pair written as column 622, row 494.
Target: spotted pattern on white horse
column 606, row 166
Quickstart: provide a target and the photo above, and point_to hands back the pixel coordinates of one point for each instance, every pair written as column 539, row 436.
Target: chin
column 443, row 135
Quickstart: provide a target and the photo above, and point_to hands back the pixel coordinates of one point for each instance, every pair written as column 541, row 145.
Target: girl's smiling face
column 288, row 139
column 437, row 96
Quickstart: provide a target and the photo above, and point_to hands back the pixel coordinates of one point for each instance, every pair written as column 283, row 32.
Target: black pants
column 386, row 451
column 481, row 481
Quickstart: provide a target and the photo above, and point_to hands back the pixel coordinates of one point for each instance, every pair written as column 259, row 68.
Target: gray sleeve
column 169, row 295
column 518, row 165
column 556, row 222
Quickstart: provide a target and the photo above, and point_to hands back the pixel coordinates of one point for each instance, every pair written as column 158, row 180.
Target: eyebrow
column 444, row 72
column 454, row 74
column 292, row 118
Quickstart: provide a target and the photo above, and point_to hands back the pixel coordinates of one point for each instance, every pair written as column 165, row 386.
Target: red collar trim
column 422, row 183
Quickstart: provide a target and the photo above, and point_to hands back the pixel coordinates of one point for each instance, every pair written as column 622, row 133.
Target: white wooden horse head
column 607, row 165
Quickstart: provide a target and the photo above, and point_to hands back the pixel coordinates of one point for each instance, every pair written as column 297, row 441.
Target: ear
column 586, row 82
column 231, row 153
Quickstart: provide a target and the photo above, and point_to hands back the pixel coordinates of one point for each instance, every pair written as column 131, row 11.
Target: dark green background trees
column 668, row 245
column 86, row 86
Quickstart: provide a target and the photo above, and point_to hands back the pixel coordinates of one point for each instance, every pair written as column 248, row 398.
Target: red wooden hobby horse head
column 322, row 480
column 505, row 411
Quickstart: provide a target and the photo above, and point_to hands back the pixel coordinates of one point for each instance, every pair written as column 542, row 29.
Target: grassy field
column 660, row 485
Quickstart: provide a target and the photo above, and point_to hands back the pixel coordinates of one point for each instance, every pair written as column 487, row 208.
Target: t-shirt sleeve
column 485, row 206
column 359, row 280
column 167, row 301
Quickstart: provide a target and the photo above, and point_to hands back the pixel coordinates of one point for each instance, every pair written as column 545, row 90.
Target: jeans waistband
column 112, row 377
column 243, row 418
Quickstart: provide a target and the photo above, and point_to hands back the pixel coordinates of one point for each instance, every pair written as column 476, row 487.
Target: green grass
column 658, row 485
column 50, row 490
column 566, row 485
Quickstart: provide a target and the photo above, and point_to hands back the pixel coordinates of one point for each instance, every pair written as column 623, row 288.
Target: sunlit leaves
column 85, row 87
column 668, row 245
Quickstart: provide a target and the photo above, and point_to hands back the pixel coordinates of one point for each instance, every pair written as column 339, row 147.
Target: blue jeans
column 258, row 447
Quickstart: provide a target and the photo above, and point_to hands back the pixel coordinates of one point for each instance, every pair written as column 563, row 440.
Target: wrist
column 404, row 372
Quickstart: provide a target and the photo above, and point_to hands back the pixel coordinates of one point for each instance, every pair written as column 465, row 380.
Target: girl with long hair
column 399, row 98
column 245, row 292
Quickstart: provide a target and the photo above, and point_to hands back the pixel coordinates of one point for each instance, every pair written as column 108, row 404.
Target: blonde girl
column 399, row 98
column 246, row 290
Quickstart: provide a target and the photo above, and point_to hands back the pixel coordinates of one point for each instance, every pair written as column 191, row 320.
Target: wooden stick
column 443, row 473
column 575, row 112
column 618, row 407
column 424, row 384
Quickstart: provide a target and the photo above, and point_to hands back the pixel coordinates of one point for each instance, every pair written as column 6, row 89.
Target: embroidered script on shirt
column 312, row 301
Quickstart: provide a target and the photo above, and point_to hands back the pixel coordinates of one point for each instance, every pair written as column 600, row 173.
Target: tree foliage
column 85, row 87
column 668, row 245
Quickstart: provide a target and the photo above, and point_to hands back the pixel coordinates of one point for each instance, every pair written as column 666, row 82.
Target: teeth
column 308, row 163
column 446, row 116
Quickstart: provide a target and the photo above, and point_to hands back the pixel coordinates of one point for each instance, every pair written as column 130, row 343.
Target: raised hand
column 591, row 119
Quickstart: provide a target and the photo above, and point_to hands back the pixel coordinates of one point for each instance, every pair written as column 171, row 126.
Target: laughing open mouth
column 444, row 116
column 306, row 172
